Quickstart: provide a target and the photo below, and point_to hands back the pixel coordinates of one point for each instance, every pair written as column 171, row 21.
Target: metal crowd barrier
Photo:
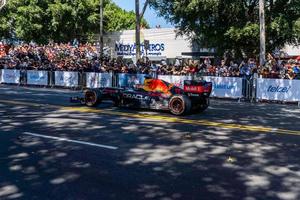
column 249, row 88
column 66, row 80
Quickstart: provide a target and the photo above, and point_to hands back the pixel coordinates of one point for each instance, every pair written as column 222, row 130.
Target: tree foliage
column 61, row 20
column 234, row 24
column 118, row 19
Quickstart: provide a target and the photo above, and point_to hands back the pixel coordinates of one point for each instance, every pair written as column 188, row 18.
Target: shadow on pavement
column 155, row 160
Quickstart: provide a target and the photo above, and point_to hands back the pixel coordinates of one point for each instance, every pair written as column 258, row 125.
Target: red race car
column 154, row 94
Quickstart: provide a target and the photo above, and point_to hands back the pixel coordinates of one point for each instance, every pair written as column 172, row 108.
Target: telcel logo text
column 278, row 89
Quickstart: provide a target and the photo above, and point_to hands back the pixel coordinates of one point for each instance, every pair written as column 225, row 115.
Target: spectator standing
column 245, row 73
column 207, row 61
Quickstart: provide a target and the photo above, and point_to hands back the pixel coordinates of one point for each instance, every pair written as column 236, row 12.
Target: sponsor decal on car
column 193, row 89
column 135, row 96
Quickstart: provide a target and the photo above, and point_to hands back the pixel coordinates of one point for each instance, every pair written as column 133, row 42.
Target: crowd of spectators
column 85, row 58
column 50, row 57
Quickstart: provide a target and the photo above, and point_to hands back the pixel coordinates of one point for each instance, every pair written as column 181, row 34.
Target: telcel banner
column 37, row 77
column 176, row 80
column 226, row 87
column 66, row 79
column 97, row 80
column 10, row 76
column 278, row 89
column 129, row 80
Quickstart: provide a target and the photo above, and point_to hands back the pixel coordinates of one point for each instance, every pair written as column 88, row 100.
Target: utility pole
column 101, row 31
column 137, row 30
column 262, row 55
column 139, row 17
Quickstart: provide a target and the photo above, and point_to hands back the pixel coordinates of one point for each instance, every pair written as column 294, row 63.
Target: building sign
column 154, row 49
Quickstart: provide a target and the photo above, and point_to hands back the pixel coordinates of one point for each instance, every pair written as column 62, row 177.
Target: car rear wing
column 197, row 87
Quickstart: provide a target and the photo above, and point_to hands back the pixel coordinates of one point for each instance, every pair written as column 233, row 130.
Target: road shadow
column 154, row 160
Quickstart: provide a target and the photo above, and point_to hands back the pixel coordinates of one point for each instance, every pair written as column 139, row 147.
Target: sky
column 150, row 14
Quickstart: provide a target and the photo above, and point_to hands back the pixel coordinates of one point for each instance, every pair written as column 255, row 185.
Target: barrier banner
column 37, row 77
column 66, row 79
column 97, row 80
column 176, row 80
column 10, row 76
column 129, row 80
column 226, row 87
column 278, row 89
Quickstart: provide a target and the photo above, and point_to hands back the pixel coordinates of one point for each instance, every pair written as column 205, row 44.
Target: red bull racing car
column 154, row 94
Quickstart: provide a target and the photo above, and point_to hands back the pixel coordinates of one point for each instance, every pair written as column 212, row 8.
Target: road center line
column 72, row 141
column 252, row 128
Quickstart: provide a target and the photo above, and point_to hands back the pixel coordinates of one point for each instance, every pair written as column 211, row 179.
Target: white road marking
column 73, row 141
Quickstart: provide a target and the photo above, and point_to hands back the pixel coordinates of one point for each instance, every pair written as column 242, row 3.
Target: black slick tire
column 92, row 98
column 180, row 105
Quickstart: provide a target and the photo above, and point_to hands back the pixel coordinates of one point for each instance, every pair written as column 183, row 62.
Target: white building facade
column 164, row 43
column 292, row 51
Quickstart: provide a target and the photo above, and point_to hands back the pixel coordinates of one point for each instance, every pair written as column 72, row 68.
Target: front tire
column 92, row 98
column 180, row 105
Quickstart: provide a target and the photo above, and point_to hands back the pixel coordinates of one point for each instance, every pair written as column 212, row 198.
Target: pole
column 262, row 55
column 137, row 30
column 146, row 53
column 2, row 4
column 144, row 9
column 101, row 31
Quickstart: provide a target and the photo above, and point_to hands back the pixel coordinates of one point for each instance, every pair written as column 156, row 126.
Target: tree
column 61, row 20
column 231, row 25
column 72, row 19
column 117, row 19
column 24, row 18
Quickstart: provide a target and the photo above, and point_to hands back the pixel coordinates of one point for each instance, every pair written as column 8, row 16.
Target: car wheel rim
column 90, row 98
column 177, row 106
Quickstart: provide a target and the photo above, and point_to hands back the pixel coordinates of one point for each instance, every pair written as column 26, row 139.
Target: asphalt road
column 51, row 149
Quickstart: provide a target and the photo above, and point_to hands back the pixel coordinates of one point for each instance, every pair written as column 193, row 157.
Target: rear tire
column 180, row 105
column 204, row 105
column 92, row 98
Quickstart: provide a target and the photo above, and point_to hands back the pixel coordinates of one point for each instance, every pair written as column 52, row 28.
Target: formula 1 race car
column 153, row 94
